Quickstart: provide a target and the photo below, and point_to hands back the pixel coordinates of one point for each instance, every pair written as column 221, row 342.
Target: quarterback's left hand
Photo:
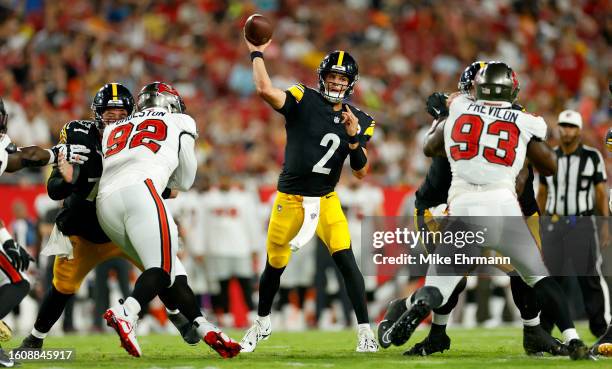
column 351, row 123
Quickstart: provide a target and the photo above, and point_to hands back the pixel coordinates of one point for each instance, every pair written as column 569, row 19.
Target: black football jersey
column 434, row 189
column 78, row 213
column 317, row 142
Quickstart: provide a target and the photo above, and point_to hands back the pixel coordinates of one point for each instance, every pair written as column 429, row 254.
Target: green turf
column 471, row 348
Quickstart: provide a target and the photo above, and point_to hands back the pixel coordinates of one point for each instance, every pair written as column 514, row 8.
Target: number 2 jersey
column 486, row 142
column 317, row 142
column 151, row 144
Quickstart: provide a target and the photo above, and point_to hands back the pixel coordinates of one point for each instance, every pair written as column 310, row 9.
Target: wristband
column 166, row 193
column 256, row 54
column 358, row 158
column 352, row 140
column 51, row 156
column 4, row 236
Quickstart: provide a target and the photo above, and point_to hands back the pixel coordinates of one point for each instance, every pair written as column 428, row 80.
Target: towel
column 58, row 245
column 312, row 207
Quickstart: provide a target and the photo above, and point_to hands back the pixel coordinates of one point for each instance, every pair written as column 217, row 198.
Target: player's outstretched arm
column 272, row 95
column 434, row 142
column 542, row 157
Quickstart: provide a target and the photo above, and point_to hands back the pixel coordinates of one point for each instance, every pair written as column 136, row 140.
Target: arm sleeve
column 57, row 188
column 184, row 175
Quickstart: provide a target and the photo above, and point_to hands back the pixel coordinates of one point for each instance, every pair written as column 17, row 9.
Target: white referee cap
column 570, row 117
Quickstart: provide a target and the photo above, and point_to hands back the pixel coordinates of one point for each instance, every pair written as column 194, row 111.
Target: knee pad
column 278, row 261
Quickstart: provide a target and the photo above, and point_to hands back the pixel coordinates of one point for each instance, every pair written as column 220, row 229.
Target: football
column 258, row 29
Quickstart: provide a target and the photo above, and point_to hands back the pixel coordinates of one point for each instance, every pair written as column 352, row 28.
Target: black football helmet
column 609, row 140
column 467, row 77
column 161, row 95
column 338, row 62
column 496, row 82
column 3, row 118
column 111, row 95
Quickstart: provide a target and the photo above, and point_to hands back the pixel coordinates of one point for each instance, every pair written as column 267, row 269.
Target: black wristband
column 352, row 140
column 256, row 54
column 166, row 193
column 358, row 158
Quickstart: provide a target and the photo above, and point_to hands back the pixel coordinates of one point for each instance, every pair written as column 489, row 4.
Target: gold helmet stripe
column 340, row 58
column 114, row 87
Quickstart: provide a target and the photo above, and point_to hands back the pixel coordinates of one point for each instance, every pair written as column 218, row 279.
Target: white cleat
column 125, row 326
column 259, row 331
column 366, row 341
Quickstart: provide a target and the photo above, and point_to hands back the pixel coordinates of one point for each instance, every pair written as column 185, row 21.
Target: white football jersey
column 486, row 141
column 144, row 146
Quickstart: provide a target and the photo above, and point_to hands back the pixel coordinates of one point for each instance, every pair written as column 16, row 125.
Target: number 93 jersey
column 143, row 146
column 486, row 141
column 317, row 142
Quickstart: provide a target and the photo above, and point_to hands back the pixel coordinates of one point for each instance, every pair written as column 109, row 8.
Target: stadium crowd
column 53, row 58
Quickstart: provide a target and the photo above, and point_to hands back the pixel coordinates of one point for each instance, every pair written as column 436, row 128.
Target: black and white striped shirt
column 571, row 191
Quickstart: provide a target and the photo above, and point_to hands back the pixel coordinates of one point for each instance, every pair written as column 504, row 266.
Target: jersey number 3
column 148, row 134
column 467, row 131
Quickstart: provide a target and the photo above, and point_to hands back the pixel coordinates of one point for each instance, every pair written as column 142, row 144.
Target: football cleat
column 31, row 342
column 579, row 351
column 366, row 341
column 259, row 331
column 536, row 341
column 431, row 344
column 5, row 360
column 394, row 311
column 401, row 331
column 125, row 326
column 5, row 332
column 603, row 346
column 603, row 349
column 222, row 344
column 188, row 331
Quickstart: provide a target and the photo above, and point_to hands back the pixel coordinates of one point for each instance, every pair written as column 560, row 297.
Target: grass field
column 471, row 348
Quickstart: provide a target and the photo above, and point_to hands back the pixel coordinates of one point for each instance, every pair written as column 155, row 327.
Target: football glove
column 436, row 105
column 74, row 154
column 18, row 255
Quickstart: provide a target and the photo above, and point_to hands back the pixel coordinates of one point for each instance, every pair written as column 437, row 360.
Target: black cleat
column 400, row 331
column 394, row 311
column 536, row 341
column 431, row 344
column 31, row 343
column 188, row 331
column 579, row 351
column 5, row 360
column 383, row 333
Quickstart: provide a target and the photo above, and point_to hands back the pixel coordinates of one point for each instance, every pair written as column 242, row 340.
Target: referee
column 570, row 198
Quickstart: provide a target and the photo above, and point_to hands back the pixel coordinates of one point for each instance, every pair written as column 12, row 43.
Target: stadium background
column 54, row 57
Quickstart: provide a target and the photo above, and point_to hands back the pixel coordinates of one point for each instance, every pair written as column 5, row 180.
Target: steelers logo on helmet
column 111, row 96
column 609, row 140
column 160, row 95
column 343, row 63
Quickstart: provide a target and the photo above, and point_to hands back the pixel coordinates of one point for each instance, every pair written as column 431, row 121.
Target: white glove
column 74, row 154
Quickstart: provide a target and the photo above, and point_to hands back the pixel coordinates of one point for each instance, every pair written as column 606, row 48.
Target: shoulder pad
column 74, row 126
column 187, row 124
column 297, row 91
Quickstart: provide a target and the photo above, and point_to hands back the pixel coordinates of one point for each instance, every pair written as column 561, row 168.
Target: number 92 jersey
column 143, row 146
column 486, row 141
column 317, row 142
